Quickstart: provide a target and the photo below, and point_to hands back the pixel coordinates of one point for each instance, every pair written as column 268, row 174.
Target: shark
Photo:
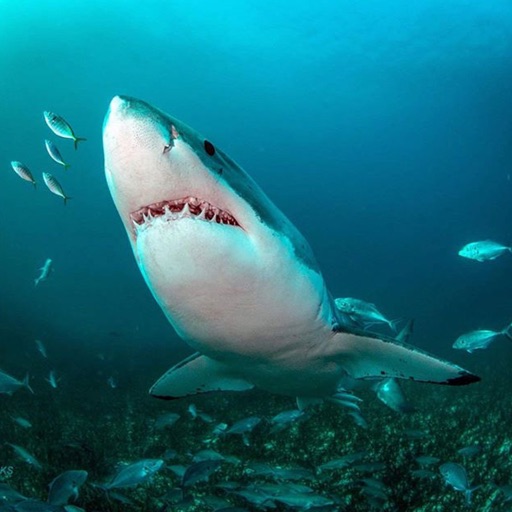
column 235, row 278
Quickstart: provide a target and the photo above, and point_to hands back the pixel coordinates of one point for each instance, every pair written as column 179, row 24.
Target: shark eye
column 209, row 148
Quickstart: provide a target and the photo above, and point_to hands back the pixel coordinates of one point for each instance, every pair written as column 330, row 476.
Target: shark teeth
column 187, row 207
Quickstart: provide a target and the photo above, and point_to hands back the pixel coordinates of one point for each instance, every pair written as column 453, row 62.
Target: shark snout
column 119, row 106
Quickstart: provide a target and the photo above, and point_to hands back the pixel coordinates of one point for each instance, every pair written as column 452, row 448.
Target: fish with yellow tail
column 61, row 127
column 54, row 186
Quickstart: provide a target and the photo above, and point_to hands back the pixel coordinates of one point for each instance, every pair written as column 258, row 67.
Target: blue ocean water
column 383, row 130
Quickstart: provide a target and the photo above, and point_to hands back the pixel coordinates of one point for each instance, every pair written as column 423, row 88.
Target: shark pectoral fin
column 367, row 357
column 196, row 374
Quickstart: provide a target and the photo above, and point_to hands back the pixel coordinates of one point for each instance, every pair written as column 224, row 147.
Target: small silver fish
column 284, row 419
column 61, row 127
column 8, row 384
column 480, row 339
column 455, row 475
column 54, row 186
column 390, row 393
column 342, row 462
column 45, row 271
column 303, row 501
column 22, row 422
column 52, row 379
column 358, row 419
column 426, row 460
column 66, row 486
column 25, row 456
column 207, row 455
column 362, row 312
column 295, row 472
column 486, row 250
column 112, row 382
column 54, row 153
column 470, row 451
column 219, row 429
column 23, row 172
column 134, row 474
column 199, row 472
column 166, row 420
column 344, row 398
column 39, row 343
column 8, row 494
column 195, row 413
column 243, row 426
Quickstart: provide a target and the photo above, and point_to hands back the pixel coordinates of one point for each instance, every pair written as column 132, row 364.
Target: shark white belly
column 234, row 277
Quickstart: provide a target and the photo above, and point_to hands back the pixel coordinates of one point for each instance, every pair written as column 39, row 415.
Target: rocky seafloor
column 95, row 427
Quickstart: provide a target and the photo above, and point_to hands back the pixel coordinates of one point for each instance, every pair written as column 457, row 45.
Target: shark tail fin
column 365, row 356
column 26, row 383
column 196, row 374
column 76, row 140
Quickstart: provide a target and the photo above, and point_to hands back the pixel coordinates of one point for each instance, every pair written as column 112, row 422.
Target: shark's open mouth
column 190, row 207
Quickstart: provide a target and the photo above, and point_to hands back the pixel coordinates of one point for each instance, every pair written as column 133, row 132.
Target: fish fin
column 469, row 492
column 66, row 166
column 66, row 200
column 393, row 324
column 197, row 374
column 406, row 332
column 76, row 140
column 305, row 402
column 26, row 383
column 507, row 332
column 367, row 356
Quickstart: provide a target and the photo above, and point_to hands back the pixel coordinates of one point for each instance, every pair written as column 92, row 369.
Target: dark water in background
column 382, row 129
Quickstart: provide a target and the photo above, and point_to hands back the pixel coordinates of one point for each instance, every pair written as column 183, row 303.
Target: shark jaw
column 187, row 207
column 234, row 277
column 220, row 259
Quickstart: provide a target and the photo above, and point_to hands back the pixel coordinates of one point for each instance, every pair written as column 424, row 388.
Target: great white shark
column 234, row 277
